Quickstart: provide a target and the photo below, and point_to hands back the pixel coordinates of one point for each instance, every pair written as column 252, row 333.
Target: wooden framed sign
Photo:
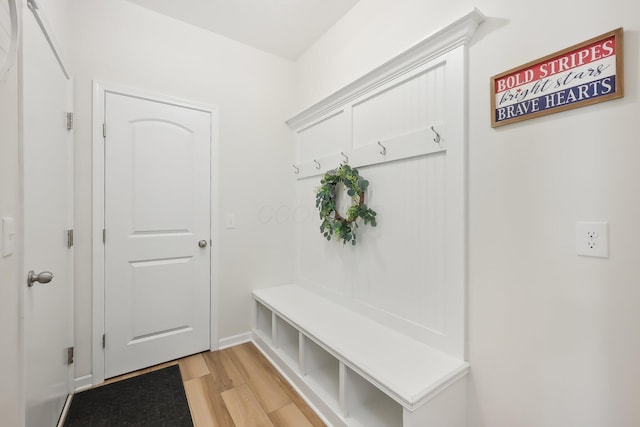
column 583, row 74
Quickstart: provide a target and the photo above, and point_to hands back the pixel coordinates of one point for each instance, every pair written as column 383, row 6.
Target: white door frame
column 100, row 89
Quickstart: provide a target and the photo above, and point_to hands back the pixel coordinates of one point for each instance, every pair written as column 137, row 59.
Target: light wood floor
column 238, row 387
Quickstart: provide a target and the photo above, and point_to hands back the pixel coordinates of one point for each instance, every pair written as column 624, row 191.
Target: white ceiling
column 282, row 27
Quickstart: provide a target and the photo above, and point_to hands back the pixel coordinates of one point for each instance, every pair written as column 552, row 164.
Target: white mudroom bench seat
column 354, row 370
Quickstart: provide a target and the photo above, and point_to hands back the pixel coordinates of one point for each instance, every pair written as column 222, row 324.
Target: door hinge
column 69, row 355
column 69, row 238
column 104, row 130
column 104, row 340
column 104, row 235
column 69, row 121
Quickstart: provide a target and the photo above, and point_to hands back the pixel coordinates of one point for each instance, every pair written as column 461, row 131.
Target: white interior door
column 157, row 232
column 48, row 174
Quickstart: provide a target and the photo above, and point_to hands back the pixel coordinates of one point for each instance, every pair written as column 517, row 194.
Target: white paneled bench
column 355, row 371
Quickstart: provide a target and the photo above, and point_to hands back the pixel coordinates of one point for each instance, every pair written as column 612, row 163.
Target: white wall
column 10, row 267
column 552, row 337
column 123, row 43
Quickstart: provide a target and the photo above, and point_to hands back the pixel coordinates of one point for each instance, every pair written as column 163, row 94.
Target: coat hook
column 346, row 158
column 437, row 138
column 384, row 149
column 317, row 163
column 297, row 169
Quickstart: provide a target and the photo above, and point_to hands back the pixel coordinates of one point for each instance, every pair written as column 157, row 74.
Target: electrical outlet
column 592, row 239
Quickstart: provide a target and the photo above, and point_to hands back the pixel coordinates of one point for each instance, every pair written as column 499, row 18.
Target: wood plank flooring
column 238, row 387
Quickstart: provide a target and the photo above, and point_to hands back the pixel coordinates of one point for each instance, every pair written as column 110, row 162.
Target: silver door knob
column 44, row 277
column 202, row 243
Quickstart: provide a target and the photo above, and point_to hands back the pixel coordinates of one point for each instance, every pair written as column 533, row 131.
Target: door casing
column 100, row 89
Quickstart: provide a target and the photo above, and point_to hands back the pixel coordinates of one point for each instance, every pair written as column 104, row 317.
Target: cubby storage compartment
column 321, row 371
column 287, row 342
column 366, row 406
column 355, row 371
column 264, row 322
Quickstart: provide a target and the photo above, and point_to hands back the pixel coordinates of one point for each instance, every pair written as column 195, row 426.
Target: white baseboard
column 83, row 383
column 234, row 340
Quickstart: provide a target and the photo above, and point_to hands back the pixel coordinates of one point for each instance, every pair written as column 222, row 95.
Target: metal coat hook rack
column 384, row 149
column 317, row 163
column 437, row 138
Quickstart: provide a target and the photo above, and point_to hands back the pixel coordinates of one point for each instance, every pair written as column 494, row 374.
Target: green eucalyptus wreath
column 332, row 222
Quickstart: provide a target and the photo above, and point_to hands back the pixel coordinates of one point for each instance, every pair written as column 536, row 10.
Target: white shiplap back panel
column 326, row 137
column 396, row 271
column 322, row 263
column 401, row 261
column 409, row 272
column 406, row 108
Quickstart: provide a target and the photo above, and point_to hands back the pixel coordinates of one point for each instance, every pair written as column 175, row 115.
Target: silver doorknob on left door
column 202, row 243
column 44, row 277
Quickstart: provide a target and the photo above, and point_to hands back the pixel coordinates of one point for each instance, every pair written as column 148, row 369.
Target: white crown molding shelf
column 437, row 44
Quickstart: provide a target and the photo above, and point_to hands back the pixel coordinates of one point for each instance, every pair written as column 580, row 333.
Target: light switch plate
column 592, row 239
column 9, row 236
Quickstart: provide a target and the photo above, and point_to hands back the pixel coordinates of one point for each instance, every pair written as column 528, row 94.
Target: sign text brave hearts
column 583, row 74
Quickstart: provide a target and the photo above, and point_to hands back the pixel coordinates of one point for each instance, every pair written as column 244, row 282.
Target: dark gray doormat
column 153, row 399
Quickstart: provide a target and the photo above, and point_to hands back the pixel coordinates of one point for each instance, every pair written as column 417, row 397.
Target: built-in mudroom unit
column 372, row 332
